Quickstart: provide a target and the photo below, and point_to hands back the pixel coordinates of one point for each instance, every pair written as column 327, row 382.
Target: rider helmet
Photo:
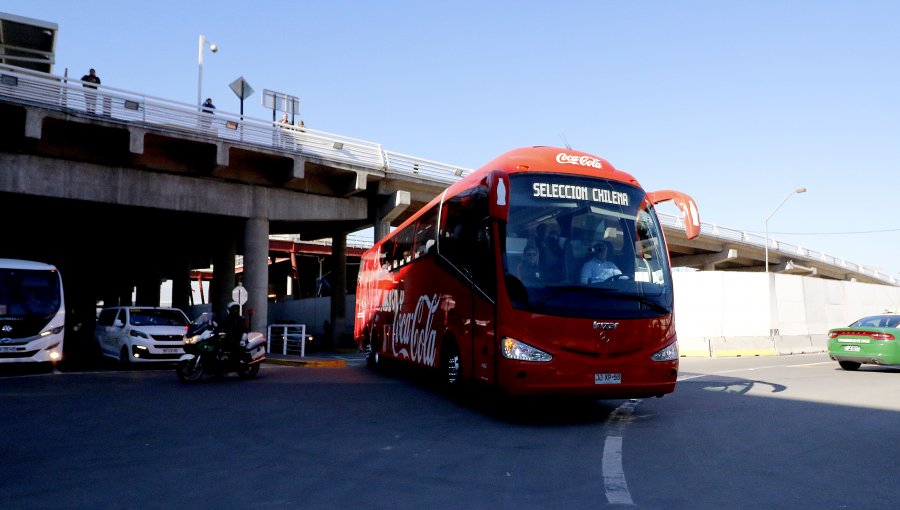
column 232, row 304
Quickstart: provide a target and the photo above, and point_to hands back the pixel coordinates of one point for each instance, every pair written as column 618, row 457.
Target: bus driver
column 598, row 269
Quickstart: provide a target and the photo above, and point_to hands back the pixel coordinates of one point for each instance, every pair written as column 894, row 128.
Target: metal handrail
column 118, row 105
column 292, row 337
column 729, row 234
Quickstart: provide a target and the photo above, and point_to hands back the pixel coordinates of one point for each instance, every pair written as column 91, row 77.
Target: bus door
column 466, row 242
column 484, row 306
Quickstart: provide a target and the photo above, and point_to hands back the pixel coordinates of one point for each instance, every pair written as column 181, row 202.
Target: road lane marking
column 613, row 474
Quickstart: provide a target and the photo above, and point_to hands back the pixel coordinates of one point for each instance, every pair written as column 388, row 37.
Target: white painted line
column 613, row 473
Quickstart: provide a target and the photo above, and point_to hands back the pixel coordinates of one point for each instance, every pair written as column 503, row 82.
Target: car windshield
column 157, row 317
column 878, row 321
column 583, row 246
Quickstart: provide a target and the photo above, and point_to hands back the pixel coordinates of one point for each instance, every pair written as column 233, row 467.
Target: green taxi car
column 872, row 340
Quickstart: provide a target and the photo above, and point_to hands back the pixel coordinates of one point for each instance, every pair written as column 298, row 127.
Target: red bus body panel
column 408, row 313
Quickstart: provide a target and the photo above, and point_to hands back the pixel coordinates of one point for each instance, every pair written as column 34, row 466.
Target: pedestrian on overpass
column 209, row 108
column 90, row 98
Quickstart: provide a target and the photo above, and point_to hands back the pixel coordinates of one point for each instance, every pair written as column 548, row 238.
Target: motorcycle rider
column 234, row 325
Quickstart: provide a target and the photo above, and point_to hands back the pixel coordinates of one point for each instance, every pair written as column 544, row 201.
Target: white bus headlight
column 514, row 349
column 667, row 353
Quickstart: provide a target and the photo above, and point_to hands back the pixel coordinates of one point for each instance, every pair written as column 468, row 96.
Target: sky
column 737, row 103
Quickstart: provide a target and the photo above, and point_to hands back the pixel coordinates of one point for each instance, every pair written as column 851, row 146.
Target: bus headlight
column 667, row 353
column 514, row 349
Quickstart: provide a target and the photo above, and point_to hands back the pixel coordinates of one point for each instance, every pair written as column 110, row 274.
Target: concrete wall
column 717, row 313
column 725, row 313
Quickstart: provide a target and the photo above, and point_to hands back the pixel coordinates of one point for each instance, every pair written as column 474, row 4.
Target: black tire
column 190, row 370
column 125, row 357
column 450, row 365
column 373, row 358
column 248, row 371
column 849, row 365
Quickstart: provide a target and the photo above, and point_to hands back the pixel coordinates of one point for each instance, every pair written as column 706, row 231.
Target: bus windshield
column 580, row 246
column 29, row 293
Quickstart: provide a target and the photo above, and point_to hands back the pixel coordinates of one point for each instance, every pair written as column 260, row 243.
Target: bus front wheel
column 373, row 358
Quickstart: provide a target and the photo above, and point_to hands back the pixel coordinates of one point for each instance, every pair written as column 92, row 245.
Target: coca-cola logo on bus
column 571, row 159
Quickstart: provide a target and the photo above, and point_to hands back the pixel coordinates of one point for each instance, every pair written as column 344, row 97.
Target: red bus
column 456, row 288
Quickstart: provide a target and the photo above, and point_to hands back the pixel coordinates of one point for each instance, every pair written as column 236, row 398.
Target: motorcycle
column 204, row 352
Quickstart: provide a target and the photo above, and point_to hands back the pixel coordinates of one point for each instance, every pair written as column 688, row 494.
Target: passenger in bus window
column 550, row 253
column 529, row 269
column 597, row 269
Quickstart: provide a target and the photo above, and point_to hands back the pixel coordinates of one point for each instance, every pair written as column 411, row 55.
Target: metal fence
column 117, row 105
column 287, row 339
column 791, row 250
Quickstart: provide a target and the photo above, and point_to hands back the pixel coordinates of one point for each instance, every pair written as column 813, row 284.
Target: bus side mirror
column 498, row 195
column 687, row 206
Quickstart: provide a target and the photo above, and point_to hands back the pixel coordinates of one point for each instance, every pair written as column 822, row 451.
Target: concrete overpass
column 122, row 189
column 150, row 188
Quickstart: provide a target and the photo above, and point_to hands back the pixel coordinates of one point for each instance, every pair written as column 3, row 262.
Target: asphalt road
column 792, row 432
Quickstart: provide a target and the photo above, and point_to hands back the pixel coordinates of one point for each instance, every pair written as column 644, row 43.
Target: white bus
column 32, row 312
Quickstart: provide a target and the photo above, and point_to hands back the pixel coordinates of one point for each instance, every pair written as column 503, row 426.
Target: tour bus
column 32, row 312
column 451, row 290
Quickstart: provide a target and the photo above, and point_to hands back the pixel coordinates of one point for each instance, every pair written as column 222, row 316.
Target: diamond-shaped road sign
column 241, row 88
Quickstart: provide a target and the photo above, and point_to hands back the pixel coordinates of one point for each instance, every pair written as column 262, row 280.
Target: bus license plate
column 607, row 378
column 853, row 348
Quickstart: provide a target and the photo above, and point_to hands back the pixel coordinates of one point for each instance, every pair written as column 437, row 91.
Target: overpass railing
column 710, row 230
column 118, row 105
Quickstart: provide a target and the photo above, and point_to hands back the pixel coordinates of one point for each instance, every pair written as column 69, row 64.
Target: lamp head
column 213, row 48
column 800, row 190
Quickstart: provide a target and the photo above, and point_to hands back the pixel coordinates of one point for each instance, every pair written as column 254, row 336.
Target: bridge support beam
column 34, row 120
column 256, row 261
column 387, row 211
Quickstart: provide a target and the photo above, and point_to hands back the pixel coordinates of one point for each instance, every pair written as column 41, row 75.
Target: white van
column 137, row 334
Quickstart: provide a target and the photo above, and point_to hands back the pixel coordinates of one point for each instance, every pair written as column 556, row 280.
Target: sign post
column 281, row 102
column 242, row 90
column 239, row 294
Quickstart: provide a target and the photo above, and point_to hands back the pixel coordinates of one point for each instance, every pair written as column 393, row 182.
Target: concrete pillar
column 338, row 288
column 256, row 272
column 222, row 282
column 181, row 285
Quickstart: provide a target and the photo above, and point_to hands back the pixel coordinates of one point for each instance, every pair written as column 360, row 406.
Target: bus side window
column 424, row 239
column 466, row 240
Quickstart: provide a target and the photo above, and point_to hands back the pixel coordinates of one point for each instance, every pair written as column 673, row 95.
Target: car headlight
column 139, row 334
column 514, row 349
column 667, row 353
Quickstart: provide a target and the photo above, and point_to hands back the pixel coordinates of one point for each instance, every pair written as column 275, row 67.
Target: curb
column 307, row 362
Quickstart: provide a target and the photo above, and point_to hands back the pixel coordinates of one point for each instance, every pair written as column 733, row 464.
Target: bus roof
column 25, row 264
column 546, row 159
column 537, row 158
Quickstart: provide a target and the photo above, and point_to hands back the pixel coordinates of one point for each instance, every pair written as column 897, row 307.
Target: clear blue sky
column 734, row 102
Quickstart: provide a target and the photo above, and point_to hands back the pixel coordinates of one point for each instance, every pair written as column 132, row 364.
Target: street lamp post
column 213, row 48
column 798, row 190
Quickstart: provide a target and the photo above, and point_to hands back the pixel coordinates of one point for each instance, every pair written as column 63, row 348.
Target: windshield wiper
column 644, row 300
